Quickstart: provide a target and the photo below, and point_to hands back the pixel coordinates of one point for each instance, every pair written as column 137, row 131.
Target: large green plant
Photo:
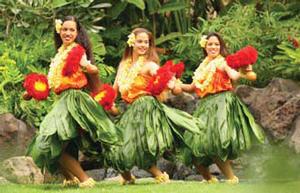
column 23, row 52
column 240, row 26
column 41, row 13
column 19, row 57
column 288, row 57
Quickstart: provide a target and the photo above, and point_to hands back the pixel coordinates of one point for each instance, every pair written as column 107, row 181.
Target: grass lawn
column 148, row 186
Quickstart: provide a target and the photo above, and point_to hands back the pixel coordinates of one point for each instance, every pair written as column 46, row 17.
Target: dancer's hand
column 177, row 90
column 114, row 110
column 26, row 96
column 91, row 69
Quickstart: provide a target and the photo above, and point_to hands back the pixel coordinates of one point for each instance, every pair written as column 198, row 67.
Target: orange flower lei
column 57, row 64
column 129, row 72
column 203, row 75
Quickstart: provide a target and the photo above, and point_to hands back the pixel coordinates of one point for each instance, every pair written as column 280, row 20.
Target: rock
column 294, row 140
column 214, row 170
column 3, row 181
column 110, row 173
column 194, row 177
column 167, row 166
column 185, row 101
column 182, row 172
column 281, row 120
column 22, row 170
column 53, row 178
column 139, row 173
column 274, row 107
column 97, row 174
column 14, row 136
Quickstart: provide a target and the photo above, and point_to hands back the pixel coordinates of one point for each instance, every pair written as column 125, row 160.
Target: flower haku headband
column 131, row 39
column 203, row 41
column 58, row 25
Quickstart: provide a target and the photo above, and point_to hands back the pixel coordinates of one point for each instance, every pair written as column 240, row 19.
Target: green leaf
column 101, row 5
column 153, row 6
column 117, row 9
column 139, row 3
column 172, row 6
column 168, row 37
column 59, row 3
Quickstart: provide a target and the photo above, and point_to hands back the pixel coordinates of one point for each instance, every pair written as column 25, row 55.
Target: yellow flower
column 131, row 39
column 100, row 95
column 203, row 41
column 40, row 86
column 58, row 25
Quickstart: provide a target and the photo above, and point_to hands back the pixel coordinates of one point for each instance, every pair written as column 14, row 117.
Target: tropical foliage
column 26, row 42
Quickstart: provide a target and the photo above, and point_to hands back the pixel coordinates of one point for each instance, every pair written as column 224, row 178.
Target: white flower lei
column 129, row 72
column 57, row 63
column 205, row 72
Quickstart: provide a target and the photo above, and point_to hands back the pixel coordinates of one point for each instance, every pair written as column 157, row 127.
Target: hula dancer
column 229, row 124
column 76, row 120
column 148, row 126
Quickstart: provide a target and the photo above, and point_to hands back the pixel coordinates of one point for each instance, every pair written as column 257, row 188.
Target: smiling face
column 68, row 32
column 213, row 47
column 142, row 43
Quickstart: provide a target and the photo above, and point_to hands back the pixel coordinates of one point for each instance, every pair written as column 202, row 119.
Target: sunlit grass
column 148, row 186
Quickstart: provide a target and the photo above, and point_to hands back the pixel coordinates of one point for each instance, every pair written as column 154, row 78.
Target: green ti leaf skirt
column 75, row 122
column 229, row 128
column 149, row 128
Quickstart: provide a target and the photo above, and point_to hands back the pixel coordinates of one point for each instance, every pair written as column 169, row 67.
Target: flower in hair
column 131, row 39
column 58, row 25
column 203, row 41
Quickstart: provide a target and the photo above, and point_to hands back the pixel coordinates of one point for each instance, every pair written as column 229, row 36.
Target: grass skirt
column 149, row 128
column 230, row 128
column 75, row 122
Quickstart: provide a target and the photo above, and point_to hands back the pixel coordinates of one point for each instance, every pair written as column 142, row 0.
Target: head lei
column 203, row 41
column 58, row 25
column 131, row 39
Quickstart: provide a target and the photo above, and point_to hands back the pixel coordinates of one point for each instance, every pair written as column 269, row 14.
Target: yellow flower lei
column 57, row 64
column 129, row 72
column 204, row 73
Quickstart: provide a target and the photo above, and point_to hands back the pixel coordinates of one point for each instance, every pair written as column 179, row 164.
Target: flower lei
column 129, row 72
column 204, row 73
column 57, row 64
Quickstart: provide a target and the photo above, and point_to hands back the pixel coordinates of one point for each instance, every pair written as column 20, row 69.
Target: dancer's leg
column 72, row 165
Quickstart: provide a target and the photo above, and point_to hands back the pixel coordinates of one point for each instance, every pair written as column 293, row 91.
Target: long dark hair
column 151, row 54
column 223, row 48
column 82, row 38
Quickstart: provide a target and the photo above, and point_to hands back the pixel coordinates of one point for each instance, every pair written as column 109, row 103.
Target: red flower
column 36, row 86
column 295, row 43
column 106, row 96
column 168, row 64
column 178, row 69
column 73, row 61
column 233, row 61
column 244, row 57
column 164, row 74
column 159, row 82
